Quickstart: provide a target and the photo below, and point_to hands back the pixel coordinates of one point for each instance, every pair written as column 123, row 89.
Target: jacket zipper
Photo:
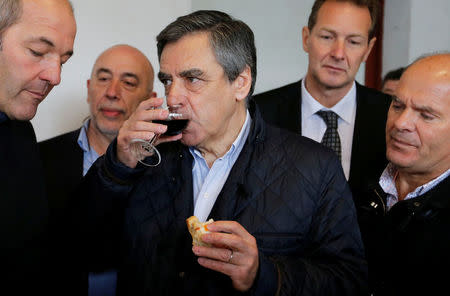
column 382, row 201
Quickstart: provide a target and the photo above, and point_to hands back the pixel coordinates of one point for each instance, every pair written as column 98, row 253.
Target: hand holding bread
column 197, row 229
column 226, row 247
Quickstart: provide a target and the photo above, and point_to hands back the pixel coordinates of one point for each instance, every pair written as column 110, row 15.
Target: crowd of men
column 320, row 187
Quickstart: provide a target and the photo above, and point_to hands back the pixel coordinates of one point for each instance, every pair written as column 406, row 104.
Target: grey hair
column 10, row 13
column 232, row 40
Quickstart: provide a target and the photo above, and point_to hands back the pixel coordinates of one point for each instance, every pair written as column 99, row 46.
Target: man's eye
column 166, row 82
column 36, row 53
column 325, row 37
column 129, row 83
column 354, row 42
column 396, row 106
column 192, row 79
column 426, row 116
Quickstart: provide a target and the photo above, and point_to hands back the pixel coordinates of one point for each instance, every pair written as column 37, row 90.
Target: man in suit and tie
column 338, row 38
column 121, row 78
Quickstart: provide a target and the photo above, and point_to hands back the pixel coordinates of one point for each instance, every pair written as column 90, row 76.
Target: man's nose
column 52, row 73
column 112, row 91
column 405, row 120
column 174, row 93
column 338, row 50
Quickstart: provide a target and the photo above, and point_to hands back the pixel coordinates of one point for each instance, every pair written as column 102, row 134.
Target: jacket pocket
column 279, row 243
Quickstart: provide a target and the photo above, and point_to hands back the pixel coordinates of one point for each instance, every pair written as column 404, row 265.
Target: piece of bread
column 197, row 229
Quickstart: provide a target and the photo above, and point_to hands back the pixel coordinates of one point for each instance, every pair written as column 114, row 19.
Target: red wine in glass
column 174, row 126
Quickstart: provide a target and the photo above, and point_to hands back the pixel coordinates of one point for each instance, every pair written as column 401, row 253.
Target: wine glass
column 145, row 151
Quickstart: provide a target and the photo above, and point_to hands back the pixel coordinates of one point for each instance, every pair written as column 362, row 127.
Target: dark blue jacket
column 287, row 191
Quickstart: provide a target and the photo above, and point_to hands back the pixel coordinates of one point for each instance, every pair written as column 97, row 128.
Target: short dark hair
column 232, row 40
column 393, row 75
column 372, row 5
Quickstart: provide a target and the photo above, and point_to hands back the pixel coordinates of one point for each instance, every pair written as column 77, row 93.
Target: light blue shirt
column 208, row 182
column 102, row 283
column 89, row 154
column 314, row 127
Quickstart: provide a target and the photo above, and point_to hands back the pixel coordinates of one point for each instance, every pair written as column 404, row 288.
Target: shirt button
column 416, row 204
column 206, row 195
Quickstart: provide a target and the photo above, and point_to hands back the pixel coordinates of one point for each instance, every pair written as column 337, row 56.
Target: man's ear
column 369, row 48
column 88, row 82
column 243, row 83
column 305, row 38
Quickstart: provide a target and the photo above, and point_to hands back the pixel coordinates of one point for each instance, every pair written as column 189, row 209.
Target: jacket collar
column 3, row 117
column 257, row 130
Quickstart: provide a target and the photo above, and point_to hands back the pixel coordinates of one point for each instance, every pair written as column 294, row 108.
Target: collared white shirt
column 314, row 127
column 387, row 183
column 208, row 182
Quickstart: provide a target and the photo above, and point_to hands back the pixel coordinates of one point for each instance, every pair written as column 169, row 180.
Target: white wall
column 430, row 27
column 413, row 28
column 101, row 24
column 397, row 23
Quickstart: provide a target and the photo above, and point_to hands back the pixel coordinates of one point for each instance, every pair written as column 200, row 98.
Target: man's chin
column 399, row 159
column 336, row 84
column 22, row 113
column 334, row 81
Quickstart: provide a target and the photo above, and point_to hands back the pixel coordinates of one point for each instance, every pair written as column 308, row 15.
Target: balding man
column 406, row 220
column 121, row 78
column 36, row 38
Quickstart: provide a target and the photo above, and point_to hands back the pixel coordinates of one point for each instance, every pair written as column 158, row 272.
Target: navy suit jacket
column 282, row 107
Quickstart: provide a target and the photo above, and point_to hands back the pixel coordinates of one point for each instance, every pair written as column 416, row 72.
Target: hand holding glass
column 145, row 151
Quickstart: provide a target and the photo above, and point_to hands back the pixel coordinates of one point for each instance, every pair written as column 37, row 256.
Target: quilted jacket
column 287, row 191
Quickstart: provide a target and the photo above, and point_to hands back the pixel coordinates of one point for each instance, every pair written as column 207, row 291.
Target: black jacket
column 282, row 107
column 289, row 192
column 62, row 159
column 24, row 246
column 407, row 246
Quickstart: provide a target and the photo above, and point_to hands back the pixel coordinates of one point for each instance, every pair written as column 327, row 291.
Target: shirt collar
column 82, row 140
column 237, row 145
column 3, row 117
column 344, row 108
column 387, row 182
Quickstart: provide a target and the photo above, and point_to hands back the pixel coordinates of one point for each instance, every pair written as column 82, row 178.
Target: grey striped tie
column 331, row 137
